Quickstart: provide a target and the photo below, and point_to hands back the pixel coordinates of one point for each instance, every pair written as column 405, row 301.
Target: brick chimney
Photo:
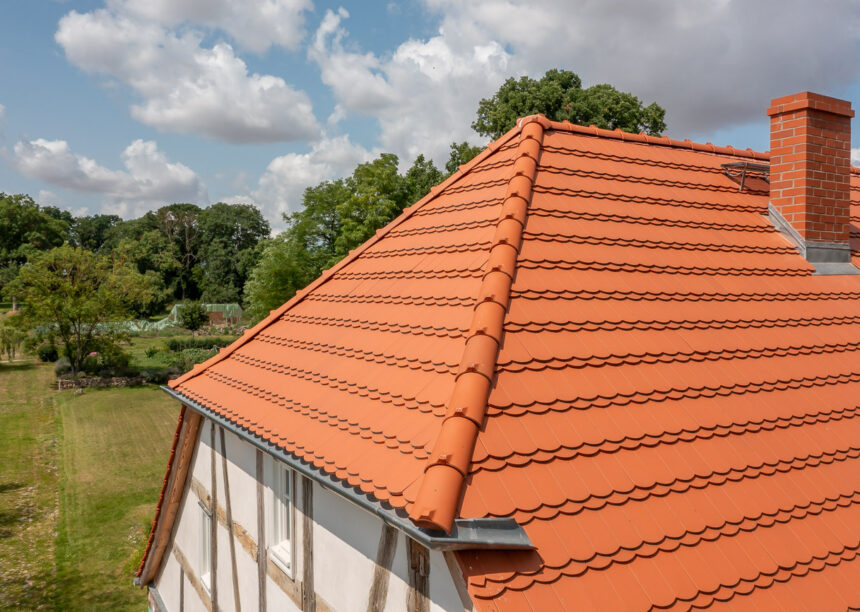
column 810, row 166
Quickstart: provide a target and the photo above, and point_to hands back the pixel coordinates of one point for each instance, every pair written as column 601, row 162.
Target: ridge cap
column 663, row 141
column 438, row 500
column 301, row 294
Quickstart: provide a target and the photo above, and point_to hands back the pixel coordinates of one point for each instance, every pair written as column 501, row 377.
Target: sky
column 123, row 106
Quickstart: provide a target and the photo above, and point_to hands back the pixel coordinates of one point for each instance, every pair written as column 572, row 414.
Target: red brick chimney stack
column 810, row 166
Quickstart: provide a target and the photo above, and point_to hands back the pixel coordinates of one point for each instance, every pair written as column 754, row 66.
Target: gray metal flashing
column 475, row 534
column 824, row 268
column 785, row 228
column 828, row 258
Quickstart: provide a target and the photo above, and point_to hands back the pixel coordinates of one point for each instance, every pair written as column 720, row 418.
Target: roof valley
column 438, row 499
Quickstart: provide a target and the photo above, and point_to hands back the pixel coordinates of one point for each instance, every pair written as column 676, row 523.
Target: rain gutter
column 466, row 534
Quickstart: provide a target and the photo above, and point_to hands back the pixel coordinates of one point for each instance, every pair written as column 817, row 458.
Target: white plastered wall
column 345, row 543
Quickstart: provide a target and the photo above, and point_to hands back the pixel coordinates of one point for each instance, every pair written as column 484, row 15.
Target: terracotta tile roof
column 597, row 334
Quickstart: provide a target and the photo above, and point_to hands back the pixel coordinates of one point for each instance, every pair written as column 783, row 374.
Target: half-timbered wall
column 344, row 559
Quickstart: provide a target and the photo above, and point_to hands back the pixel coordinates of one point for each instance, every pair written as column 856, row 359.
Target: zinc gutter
column 490, row 533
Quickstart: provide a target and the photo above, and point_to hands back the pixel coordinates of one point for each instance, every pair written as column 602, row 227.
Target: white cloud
column 47, row 197
column 281, row 187
column 254, row 24
column 424, row 95
column 185, row 87
column 855, row 156
column 239, row 199
column 710, row 64
column 149, row 179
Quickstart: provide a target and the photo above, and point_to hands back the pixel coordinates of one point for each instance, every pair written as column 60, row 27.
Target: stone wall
column 95, row 381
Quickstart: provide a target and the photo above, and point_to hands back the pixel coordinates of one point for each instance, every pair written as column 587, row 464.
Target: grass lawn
column 28, row 486
column 140, row 344
column 137, row 351
column 113, row 453
column 79, row 478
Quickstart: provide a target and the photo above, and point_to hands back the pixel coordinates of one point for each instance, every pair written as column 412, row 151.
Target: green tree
column 133, row 229
column 11, row 336
column 461, row 153
column 92, row 232
column 336, row 217
column 283, row 269
column 77, row 293
column 301, row 252
column 378, row 195
column 25, row 229
column 154, row 256
column 560, row 96
column 180, row 224
column 420, row 177
column 229, row 235
column 193, row 316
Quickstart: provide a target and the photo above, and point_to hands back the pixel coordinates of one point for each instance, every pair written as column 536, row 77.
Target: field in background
column 79, row 478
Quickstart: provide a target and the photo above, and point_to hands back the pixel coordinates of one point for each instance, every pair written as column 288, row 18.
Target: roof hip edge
column 327, row 274
column 438, row 500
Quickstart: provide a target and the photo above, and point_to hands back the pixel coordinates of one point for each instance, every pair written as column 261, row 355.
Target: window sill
column 281, row 558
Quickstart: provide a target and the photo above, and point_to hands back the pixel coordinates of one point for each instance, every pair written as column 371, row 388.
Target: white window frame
column 205, row 568
column 281, row 517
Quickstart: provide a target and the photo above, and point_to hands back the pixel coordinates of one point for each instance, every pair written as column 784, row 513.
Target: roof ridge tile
column 664, row 141
column 438, row 499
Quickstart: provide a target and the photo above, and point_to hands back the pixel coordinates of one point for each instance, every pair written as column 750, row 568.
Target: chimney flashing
column 827, row 258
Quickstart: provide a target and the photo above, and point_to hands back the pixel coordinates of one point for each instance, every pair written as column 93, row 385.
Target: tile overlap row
column 672, row 415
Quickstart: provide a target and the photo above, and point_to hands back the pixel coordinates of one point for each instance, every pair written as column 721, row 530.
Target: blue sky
column 121, row 106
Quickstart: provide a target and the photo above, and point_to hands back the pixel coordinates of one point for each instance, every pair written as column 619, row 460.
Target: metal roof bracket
column 739, row 170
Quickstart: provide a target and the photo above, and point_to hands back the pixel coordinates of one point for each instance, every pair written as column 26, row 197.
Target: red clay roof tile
column 597, row 334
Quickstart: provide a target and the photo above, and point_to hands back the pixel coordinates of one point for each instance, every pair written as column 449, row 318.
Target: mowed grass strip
column 28, row 486
column 113, row 453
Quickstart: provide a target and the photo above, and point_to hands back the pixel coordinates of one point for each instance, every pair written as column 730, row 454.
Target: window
column 281, row 531
column 205, row 568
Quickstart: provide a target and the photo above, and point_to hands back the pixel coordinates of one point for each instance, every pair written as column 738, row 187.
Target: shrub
column 160, row 376
column 193, row 316
column 188, row 358
column 47, row 353
column 151, row 351
column 107, row 360
column 175, row 345
column 62, row 367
